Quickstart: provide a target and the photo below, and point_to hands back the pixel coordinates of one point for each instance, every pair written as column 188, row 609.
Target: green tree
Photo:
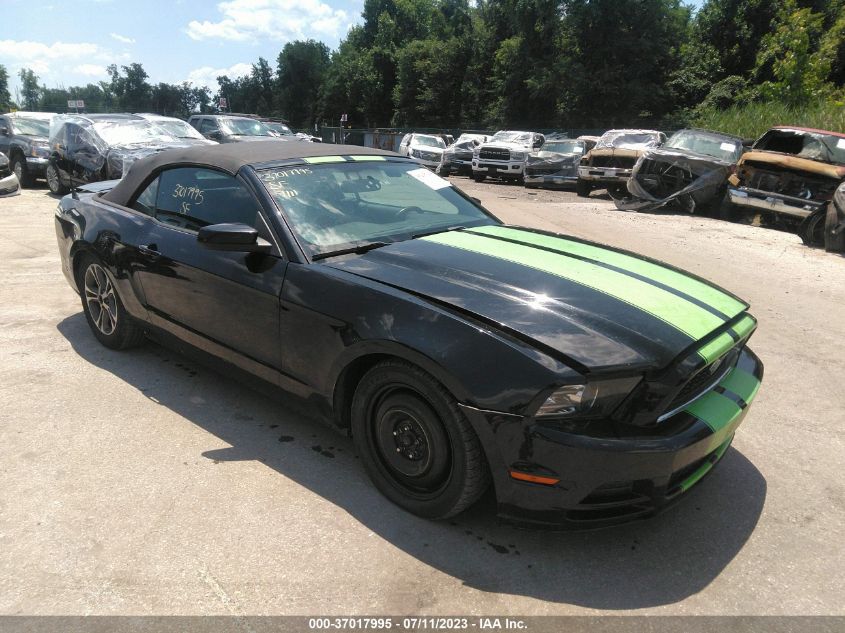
column 787, row 54
column 622, row 55
column 30, row 91
column 300, row 72
column 5, row 97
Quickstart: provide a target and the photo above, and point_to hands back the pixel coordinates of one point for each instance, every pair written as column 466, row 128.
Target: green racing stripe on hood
column 674, row 279
column 680, row 313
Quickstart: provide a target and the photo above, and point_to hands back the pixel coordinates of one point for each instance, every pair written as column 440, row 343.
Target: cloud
column 47, row 60
column 251, row 20
column 91, row 70
column 207, row 75
column 122, row 38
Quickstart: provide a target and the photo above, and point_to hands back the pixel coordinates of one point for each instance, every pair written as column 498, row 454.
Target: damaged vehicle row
column 689, row 171
column 610, row 163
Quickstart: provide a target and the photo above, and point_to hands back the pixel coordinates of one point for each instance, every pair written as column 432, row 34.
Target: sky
column 71, row 43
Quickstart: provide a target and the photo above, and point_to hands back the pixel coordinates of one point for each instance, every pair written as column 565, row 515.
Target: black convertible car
column 588, row 384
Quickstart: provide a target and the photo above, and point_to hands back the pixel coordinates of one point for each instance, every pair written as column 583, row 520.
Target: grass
column 752, row 120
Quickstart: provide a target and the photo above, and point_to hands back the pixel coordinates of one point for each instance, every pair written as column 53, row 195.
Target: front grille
column 618, row 162
column 614, row 501
column 541, row 171
column 703, row 380
column 494, row 153
column 429, row 156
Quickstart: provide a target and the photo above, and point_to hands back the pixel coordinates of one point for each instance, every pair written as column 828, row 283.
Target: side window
column 146, row 201
column 208, row 125
column 192, row 197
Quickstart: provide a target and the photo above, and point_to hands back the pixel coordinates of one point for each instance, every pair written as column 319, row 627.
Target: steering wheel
column 404, row 211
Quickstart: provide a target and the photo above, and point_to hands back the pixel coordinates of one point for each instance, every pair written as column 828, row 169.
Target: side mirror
column 215, row 135
column 236, row 237
column 4, row 131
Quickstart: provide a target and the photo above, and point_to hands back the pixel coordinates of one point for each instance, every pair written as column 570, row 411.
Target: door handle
column 149, row 249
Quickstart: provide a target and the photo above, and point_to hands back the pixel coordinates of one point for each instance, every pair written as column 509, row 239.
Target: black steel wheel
column 21, row 170
column 54, row 180
column 416, row 445
column 106, row 316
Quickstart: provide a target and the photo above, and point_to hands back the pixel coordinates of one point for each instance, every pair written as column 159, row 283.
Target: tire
column 106, row 316
column 583, row 188
column 415, row 443
column 54, row 180
column 18, row 165
column 479, row 177
column 727, row 210
column 833, row 242
column 811, row 229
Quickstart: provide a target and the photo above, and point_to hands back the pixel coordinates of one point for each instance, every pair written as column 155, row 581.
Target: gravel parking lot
column 142, row 483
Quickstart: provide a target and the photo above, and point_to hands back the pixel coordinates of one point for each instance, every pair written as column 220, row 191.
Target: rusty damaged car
column 790, row 175
column 609, row 164
column 689, row 172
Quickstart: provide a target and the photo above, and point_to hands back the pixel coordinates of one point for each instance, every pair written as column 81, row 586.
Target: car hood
column 251, row 139
column 593, row 307
column 426, row 148
column 519, row 147
column 787, row 161
column 536, row 158
column 672, row 154
column 34, row 138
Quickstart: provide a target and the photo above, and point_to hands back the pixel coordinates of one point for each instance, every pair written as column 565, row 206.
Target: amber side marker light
column 534, row 479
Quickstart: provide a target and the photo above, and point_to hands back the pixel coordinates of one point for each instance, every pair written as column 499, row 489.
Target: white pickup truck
column 504, row 155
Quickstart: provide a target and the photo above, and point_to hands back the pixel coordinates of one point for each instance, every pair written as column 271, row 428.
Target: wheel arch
column 357, row 361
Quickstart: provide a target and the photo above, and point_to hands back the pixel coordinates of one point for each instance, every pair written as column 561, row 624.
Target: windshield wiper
column 436, row 231
column 361, row 248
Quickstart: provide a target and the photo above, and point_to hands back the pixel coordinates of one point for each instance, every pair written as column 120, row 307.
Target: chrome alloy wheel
column 18, row 170
column 53, row 179
column 100, row 299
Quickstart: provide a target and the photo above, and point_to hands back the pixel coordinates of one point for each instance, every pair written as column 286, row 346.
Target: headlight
column 517, row 155
column 39, row 149
column 593, row 399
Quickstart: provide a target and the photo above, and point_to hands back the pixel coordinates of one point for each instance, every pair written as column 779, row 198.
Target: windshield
column 826, row 148
column 720, row 147
column 240, row 126
column 130, row 132
column 177, row 128
column 629, row 139
column 429, row 141
column 341, row 204
column 512, row 137
column 563, row 147
column 31, row 127
column 279, row 128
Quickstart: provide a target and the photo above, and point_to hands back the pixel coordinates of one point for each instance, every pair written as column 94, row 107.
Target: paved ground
column 138, row 482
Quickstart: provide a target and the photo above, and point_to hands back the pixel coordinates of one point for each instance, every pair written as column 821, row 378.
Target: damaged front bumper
column 9, row 186
column 603, row 480
column 549, row 180
column 604, row 174
column 774, row 202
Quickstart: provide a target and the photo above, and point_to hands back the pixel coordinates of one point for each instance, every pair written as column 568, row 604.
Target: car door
column 224, row 302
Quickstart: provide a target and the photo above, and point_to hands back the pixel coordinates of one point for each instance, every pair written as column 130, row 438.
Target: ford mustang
column 586, row 384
